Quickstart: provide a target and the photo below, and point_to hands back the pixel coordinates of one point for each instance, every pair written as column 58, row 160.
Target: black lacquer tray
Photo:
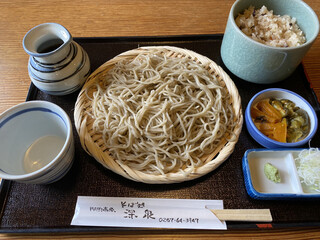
column 50, row 208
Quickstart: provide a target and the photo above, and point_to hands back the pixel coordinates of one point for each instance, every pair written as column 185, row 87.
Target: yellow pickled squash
column 265, row 107
column 280, row 131
column 275, row 131
column 269, row 121
column 262, row 116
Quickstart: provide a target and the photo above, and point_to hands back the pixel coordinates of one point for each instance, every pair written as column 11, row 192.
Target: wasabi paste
column 272, row 173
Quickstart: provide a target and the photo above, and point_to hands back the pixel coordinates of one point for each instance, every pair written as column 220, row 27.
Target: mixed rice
column 273, row 30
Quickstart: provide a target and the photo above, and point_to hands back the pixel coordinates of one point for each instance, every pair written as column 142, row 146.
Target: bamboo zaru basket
column 93, row 143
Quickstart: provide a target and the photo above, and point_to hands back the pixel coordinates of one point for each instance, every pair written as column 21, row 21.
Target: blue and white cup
column 57, row 65
column 37, row 144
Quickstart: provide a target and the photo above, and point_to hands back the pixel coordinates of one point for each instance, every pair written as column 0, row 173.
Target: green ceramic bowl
column 257, row 62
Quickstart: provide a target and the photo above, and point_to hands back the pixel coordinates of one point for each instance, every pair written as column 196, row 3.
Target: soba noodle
column 161, row 114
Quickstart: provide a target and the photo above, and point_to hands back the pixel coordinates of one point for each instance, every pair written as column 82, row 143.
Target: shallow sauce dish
column 279, row 93
column 260, row 187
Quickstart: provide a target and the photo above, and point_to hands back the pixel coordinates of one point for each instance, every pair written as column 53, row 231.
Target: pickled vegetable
column 265, row 107
column 275, row 131
column 280, row 120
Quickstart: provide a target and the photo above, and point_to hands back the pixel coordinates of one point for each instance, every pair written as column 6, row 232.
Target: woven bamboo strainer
column 93, row 143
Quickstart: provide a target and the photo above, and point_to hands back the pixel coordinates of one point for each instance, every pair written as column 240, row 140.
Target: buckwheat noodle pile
column 159, row 114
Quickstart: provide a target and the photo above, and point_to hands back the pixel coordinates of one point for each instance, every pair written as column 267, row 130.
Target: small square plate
column 260, row 187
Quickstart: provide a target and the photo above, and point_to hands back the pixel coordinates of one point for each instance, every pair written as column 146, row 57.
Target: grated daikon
column 308, row 167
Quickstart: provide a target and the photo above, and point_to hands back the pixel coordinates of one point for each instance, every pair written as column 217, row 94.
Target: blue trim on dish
column 31, row 110
column 269, row 196
column 268, row 142
column 62, row 174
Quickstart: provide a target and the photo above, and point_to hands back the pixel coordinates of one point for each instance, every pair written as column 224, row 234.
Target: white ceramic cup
column 37, row 144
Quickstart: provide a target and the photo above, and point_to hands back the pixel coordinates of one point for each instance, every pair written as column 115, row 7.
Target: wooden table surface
column 104, row 18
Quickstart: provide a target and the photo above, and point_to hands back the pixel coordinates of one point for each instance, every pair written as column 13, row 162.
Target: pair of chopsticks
column 248, row 215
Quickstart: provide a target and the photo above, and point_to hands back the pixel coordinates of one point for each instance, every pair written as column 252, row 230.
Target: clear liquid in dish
column 41, row 152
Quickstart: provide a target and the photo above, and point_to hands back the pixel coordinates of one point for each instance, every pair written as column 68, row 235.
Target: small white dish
column 260, row 187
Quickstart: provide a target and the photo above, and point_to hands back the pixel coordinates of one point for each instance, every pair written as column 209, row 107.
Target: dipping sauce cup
column 37, row 144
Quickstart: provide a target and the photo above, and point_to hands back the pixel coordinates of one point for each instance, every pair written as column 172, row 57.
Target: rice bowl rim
column 92, row 142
